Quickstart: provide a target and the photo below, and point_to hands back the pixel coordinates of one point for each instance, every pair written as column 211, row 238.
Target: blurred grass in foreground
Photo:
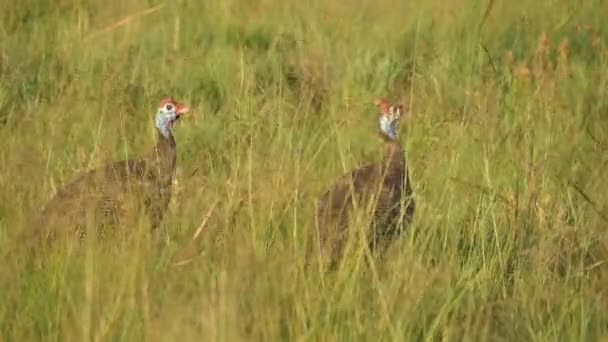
column 506, row 142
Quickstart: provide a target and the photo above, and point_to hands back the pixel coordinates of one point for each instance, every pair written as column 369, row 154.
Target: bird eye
column 169, row 107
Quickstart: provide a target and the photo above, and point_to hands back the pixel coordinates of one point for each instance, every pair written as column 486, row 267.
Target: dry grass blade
column 198, row 232
column 593, row 204
column 205, row 220
column 124, row 21
column 482, row 189
column 596, row 265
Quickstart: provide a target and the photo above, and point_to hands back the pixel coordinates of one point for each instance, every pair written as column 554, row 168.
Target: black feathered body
column 112, row 196
column 383, row 187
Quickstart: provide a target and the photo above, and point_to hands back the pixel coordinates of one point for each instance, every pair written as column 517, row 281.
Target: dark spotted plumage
column 113, row 195
column 384, row 187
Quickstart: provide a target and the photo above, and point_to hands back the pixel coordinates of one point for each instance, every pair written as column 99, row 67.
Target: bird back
column 378, row 189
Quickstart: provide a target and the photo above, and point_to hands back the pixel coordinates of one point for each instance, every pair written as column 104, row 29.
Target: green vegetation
column 506, row 141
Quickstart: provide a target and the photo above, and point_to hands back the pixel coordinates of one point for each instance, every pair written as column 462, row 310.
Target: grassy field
column 506, row 140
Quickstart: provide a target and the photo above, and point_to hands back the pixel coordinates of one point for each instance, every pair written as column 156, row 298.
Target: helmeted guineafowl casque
column 112, row 195
column 386, row 182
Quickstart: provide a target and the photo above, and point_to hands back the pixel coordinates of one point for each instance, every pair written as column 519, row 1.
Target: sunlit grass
column 506, row 143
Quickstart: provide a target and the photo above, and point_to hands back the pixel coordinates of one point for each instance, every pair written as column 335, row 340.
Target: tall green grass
column 506, row 142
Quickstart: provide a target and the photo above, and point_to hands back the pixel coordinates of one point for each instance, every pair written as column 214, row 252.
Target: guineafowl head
column 168, row 112
column 389, row 115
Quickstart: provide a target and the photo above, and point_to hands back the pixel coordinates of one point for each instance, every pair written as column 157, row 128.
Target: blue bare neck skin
column 162, row 124
column 388, row 127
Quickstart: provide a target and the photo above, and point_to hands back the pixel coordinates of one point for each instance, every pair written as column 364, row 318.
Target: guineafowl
column 387, row 182
column 111, row 195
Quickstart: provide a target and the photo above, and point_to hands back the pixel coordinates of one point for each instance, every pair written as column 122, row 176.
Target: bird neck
column 165, row 140
column 388, row 127
column 393, row 154
column 164, row 153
